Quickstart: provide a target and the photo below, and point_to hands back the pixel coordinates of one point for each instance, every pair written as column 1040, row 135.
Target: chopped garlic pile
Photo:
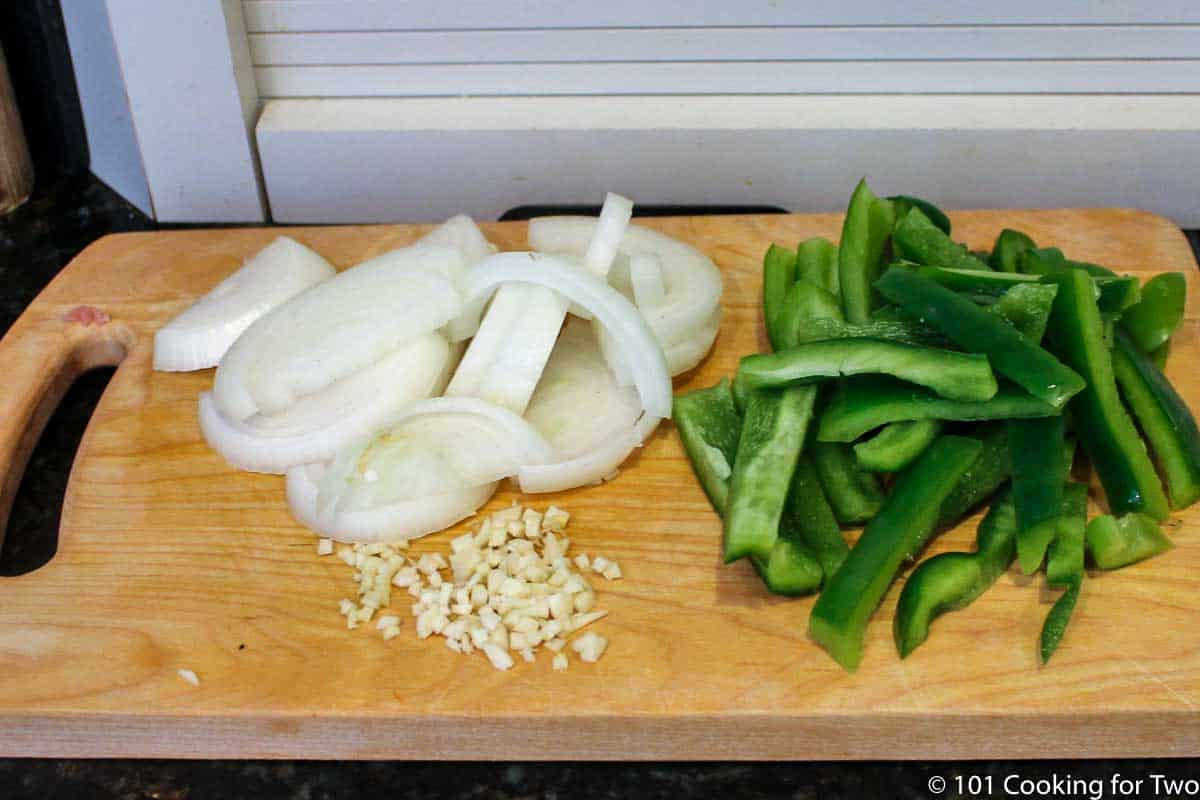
column 511, row 589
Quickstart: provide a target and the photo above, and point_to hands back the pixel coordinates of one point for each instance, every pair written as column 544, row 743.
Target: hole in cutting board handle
column 42, row 464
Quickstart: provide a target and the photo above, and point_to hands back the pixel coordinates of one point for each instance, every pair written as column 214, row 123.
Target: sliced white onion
column 646, row 277
column 692, row 280
column 438, row 445
column 336, row 329
column 198, row 337
column 686, row 354
column 320, row 424
column 606, row 238
column 606, row 304
column 592, row 467
column 460, row 232
column 505, row 360
column 578, row 405
column 404, row 520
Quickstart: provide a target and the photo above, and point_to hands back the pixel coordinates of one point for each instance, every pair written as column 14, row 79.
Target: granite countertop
column 35, row 243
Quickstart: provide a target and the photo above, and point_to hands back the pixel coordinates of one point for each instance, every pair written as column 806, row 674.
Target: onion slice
column 200, row 336
column 438, row 445
column 462, row 233
column 336, row 329
column 407, row 519
column 607, row 305
column 591, row 467
column 317, row 426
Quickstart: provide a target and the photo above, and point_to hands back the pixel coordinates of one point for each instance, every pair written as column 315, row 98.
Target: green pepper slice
column 860, row 255
column 955, row 375
column 1038, row 472
column 917, row 239
column 897, row 445
column 1159, row 313
column 779, row 273
column 817, row 263
column 991, row 469
column 772, row 436
column 866, row 402
column 808, row 311
column 855, row 494
column 903, row 203
column 809, row 514
column 1104, row 428
column 951, row 581
column 898, row 532
column 963, row 322
column 1116, row 542
column 1165, row 419
column 1050, row 260
column 1006, row 252
column 1064, row 566
column 709, row 426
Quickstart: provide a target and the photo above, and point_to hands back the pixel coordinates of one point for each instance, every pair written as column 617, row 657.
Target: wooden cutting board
column 169, row 559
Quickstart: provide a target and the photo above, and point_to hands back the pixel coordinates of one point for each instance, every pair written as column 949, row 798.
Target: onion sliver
column 692, row 280
column 606, row 304
column 578, row 405
column 200, row 336
column 336, row 329
column 686, row 354
column 404, row 520
column 317, row 426
column 645, row 275
column 591, row 467
column 438, row 445
column 610, row 228
column 505, row 360
column 460, row 232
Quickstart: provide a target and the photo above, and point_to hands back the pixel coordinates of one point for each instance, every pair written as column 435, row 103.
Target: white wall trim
column 194, row 104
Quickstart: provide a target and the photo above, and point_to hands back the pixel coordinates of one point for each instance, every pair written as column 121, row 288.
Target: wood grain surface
column 170, row 559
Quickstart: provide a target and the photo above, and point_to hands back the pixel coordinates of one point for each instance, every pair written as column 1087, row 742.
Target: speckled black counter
column 35, row 243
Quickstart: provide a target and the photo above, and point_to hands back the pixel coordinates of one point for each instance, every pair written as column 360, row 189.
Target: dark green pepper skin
column 917, row 239
column 779, row 273
column 898, row 532
column 809, row 514
column 1105, row 430
column 1159, row 313
column 709, row 426
column 960, row 376
column 952, row 581
column 1116, row 542
column 854, row 494
column 1050, row 260
column 1165, row 419
column 866, row 402
column 1064, row 566
column 1036, row 447
column 896, row 445
column 963, row 322
column 902, row 203
column 991, row 469
column 773, row 433
column 860, row 255
column 1006, row 252
column 817, row 263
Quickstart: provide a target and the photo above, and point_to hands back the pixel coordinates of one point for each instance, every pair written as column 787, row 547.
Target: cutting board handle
column 40, row 357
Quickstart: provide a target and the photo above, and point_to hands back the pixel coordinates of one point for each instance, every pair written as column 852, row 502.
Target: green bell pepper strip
column 917, row 239
column 779, row 273
column 951, row 581
column 1116, row 542
column 791, row 570
column 809, row 514
column 963, row 322
column 855, row 495
column 1027, row 308
column 709, row 426
column 808, row 307
column 1115, row 294
column 1165, row 420
column 1104, row 428
column 1036, row 449
column 1159, row 313
column 955, row 375
column 896, row 445
column 898, row 532
column 1050, row 260
column 773, row 433
column 991, row 469
column 860, row 255
column 903, row 203
column 866, row 402
column 817, row 263
column 1158, row 356
column 1064, row 566
column 1006, row 252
